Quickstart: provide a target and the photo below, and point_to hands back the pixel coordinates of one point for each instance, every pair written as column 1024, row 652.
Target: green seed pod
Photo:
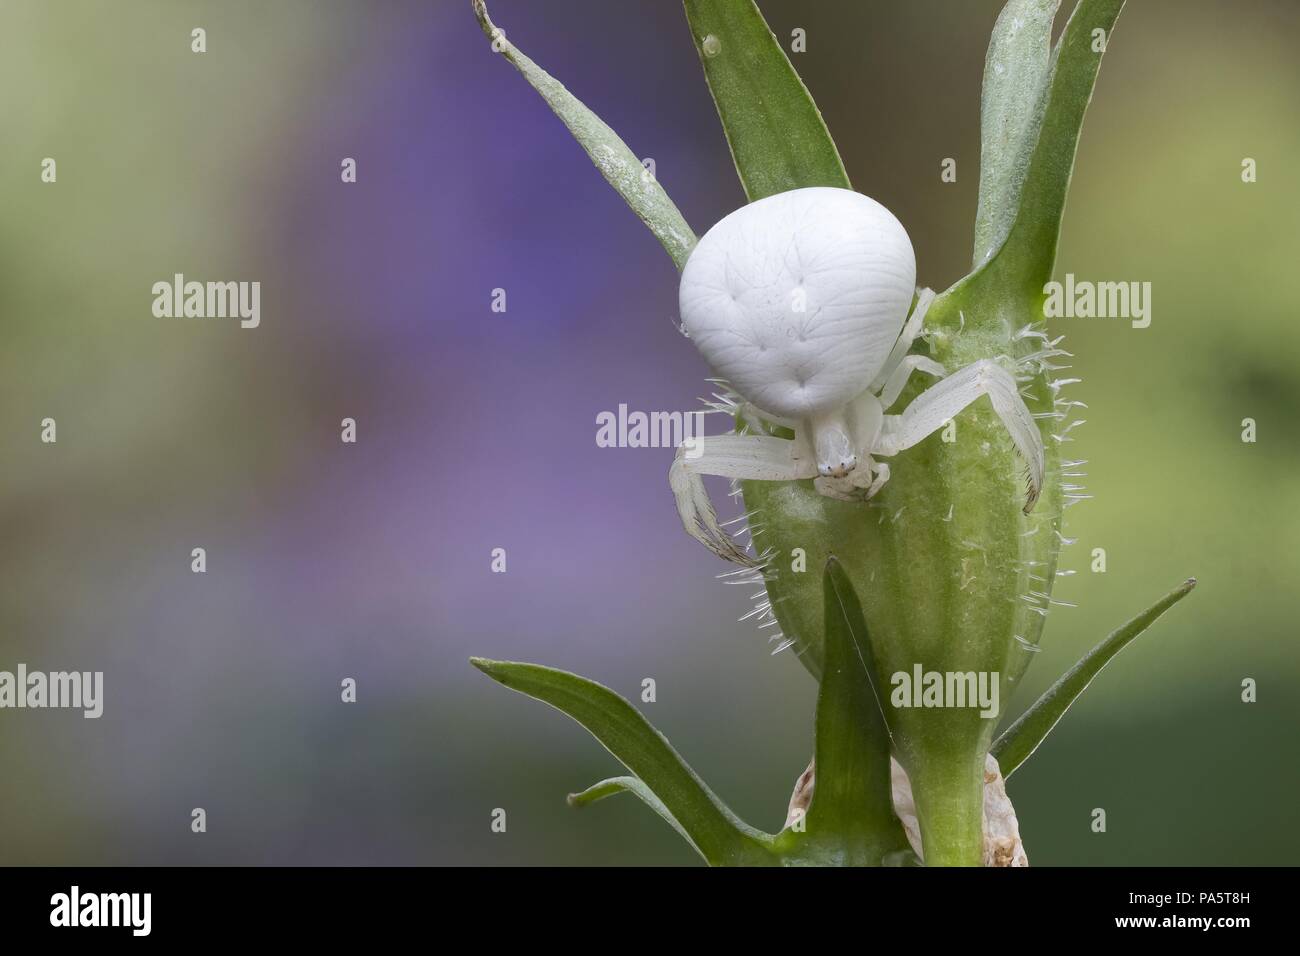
column 953, row 576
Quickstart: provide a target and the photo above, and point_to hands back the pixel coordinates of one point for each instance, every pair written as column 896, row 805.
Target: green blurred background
column 476, row 429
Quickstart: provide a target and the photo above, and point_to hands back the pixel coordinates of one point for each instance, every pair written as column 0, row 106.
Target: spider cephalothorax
column 800, row 302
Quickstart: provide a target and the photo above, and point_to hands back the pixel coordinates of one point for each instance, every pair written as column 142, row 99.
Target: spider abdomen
column 797, row 299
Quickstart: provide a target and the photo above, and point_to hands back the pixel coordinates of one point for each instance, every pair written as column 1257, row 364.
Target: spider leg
column 903, row 371
column 943, row 400
column 911, row 329
column 750, row 412
column 881, row 476
column 753, row 457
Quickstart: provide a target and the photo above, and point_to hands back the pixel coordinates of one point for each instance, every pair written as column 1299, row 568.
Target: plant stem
column 950, row 810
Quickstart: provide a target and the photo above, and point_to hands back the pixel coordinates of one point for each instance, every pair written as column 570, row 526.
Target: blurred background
column 476, row 429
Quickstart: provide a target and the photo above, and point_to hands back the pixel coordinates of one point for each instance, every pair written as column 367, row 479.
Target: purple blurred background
column 476, row 428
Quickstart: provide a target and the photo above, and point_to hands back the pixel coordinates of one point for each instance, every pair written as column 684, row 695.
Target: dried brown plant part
column 1002, row 844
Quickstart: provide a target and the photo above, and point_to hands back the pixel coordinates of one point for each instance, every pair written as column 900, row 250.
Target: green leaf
column 852, row 796
column 618, row 164
column 713, row 830
column 1007, row 289
column 1011, row 113
column 1023, row 737
column 776, row 133
column 1025, row 260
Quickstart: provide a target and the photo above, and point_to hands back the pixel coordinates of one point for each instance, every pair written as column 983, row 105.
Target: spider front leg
column 754, row 457
column 943, row 400
column 911, row 329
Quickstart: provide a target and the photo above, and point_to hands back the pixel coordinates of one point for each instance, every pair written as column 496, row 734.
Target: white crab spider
column 797, row 301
